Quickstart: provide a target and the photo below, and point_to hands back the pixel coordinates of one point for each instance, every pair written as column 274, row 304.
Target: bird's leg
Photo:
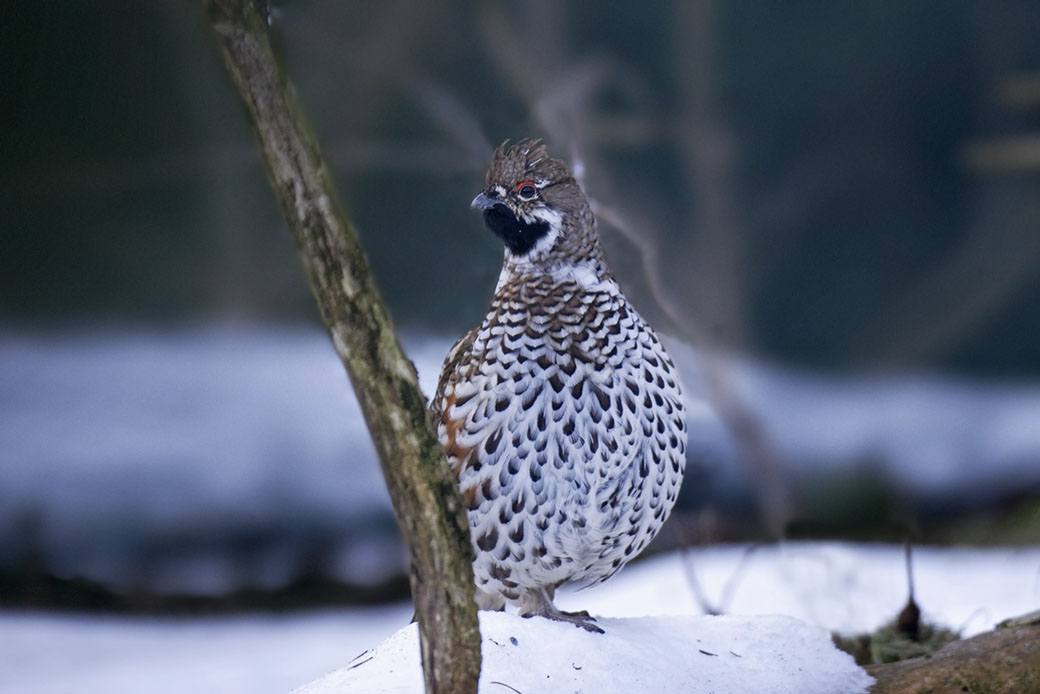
column 550, row 591
column 492, row 602
column 537, row 603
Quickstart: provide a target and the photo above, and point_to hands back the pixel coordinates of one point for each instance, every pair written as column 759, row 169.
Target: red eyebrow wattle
column 525, row 182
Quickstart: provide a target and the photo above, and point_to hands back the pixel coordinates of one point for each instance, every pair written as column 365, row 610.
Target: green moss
column 889, row 645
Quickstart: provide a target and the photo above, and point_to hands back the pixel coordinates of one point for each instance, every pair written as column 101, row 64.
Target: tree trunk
column 424, row 496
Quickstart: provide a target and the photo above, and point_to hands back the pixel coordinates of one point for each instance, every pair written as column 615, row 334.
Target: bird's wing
column 450, row 369
column 441, row 408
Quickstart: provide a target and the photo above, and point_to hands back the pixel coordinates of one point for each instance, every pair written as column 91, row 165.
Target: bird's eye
column 526, row 190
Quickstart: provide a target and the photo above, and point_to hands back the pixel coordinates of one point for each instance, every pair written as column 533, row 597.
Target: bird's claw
column 584, row 614
column 578, row 619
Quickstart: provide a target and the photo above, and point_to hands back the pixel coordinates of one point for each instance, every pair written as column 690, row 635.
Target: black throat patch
column 519, row 237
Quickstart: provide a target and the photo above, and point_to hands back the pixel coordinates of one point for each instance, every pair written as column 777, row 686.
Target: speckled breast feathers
column 561, row 414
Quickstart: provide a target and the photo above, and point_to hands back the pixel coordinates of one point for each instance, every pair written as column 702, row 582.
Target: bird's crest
column 527, row 158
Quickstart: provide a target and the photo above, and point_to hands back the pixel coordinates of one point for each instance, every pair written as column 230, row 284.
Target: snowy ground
column 48, row 654
column 841, row 587
column 693, row 655
column 126, row 455
column 834, row 586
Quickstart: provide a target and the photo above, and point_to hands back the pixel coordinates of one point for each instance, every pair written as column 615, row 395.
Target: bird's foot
column 578, row 619
column 537, row 602
column 581, row 613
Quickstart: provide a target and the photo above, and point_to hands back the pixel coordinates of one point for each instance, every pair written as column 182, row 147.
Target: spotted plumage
column 561, row 414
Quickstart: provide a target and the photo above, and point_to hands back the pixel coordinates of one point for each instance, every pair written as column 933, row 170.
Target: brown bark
column 425, row 499
column 1004, row 660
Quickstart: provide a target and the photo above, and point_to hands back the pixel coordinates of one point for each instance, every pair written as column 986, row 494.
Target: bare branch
column 718, row 238
column 559, row 99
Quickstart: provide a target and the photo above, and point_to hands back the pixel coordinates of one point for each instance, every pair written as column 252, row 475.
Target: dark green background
column 130, row 191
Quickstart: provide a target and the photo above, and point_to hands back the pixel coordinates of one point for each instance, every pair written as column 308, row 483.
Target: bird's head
column 533, row 204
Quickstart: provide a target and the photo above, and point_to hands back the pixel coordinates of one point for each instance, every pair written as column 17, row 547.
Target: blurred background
column 832, row 209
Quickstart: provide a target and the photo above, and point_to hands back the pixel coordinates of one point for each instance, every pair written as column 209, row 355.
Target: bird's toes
column 578, row 619
column 588, row 626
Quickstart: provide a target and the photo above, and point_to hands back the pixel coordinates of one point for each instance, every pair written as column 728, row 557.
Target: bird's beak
column 483, row 202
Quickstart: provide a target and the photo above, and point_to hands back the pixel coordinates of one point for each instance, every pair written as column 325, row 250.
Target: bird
column 561, row 414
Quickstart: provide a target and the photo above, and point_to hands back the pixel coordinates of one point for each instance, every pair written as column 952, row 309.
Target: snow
column 118, row 444
column 115, row 447
column 250, row 654
column 842, row 587
column 834, row 586
column 932, row 436
column 648, row 654
column 817, row 587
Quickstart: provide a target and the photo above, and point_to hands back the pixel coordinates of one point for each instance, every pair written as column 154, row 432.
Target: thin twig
column 692, row 581
column 909, row 559
column 737, row 575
